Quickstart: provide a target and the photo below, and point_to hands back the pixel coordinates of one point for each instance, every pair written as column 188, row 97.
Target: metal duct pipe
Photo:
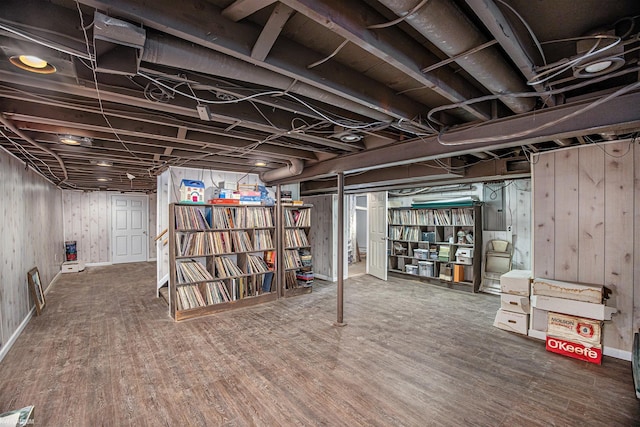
column 447, row 27
column 295, row 168
column 176, row 53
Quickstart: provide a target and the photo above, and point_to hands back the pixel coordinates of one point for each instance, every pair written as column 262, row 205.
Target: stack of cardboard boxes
column 515, row 288
column 574, row 317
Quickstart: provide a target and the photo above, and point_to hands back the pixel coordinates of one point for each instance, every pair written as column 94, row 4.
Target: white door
column 129, row 228
column 377, row 248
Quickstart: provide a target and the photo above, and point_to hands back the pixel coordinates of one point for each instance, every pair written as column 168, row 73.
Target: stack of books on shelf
column 462, row 216
column 241, row 241
column 262, row 240
column 190, row 218
column 256, row 265
column 295, row 238
column 304, row 278
column 297, row 217
column 292, row 259
column 225, row 267
column 444, row 253
column 192, row 271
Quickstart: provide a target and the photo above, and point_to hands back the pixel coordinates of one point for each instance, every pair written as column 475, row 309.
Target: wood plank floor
column 105, row 352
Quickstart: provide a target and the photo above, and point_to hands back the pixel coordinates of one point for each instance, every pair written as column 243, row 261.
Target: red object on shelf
column 224, row 201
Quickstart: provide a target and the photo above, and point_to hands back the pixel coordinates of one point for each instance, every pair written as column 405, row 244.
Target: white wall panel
column 593, row 206
column 87, row 220
column 32, row 236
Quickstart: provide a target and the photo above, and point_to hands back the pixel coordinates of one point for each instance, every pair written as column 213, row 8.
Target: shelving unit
column 221, row 257
column 442, row 245
column 298, row 260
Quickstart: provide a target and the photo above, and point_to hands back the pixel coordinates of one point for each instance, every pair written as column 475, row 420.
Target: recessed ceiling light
column 260, row 163
column 74, row 140
column 104, row 163
column 350, row 137
column 33, row 64
column 596, row 67
column 102, row 179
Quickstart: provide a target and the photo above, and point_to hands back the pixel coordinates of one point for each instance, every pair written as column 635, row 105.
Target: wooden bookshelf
column 297, row 259
column 221, row 258
column 427, row 241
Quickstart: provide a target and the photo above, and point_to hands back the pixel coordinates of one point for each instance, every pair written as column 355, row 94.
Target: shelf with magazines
column 439, row 245
column 297, row 257
column 221, row 257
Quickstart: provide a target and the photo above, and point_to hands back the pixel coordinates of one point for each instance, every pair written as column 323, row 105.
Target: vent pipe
column 451, row 31
column 295, row 168
column 173, row 52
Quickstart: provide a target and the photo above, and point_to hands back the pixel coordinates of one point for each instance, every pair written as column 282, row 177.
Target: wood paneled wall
column 87, row 220
column 31, row 211
column 323, row 237
column 587, row 227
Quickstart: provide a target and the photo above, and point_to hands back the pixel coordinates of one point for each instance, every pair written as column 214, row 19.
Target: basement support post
column 340, row 320
column 280, row 284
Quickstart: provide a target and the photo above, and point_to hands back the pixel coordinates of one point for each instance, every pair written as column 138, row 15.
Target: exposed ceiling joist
column 271, row 31
column 286, row 58
column 240, row 9
column 620, row 113
column 350, row 21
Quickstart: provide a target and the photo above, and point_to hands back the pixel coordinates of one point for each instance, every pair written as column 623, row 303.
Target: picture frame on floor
column 35, row 287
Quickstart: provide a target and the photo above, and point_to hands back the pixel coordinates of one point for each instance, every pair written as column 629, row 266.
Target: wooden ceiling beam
column 271, row 31
column 29, row 113
column 351, row 19
column 240, row 9
column 563, row 121
column 127, row 99
column 287, row 58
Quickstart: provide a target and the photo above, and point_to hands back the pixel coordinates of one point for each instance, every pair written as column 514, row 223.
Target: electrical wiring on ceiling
column 346, row 124
column 431, row 112
column 95, row 81
column 557, row 69
column 546, row 125
column 30, row 157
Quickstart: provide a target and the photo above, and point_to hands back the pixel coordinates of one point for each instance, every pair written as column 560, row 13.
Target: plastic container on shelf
column 411, row 269
column 425, row 268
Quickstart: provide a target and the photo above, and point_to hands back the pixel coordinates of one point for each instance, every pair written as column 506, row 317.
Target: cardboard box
column 421, row 254
column 514, row 303
column 72, row 267
column 465, row 252
column 464, row 260
column 539, row 320
column 513, row 322
column 575, row 329
column 516, row 282
column 592, row 354
column 568, row 290
column 446, row 272
column 572, row 307
column 458, row 273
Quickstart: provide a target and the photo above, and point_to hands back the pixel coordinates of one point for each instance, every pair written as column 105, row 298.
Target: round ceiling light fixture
column 75, row 140
column 104, row 163
column 103, row 179
column 350, row 137
column 260, row 163
column 33, row 64
column 598, row 67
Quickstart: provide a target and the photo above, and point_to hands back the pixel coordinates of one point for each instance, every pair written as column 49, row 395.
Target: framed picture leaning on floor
column 35, row 287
